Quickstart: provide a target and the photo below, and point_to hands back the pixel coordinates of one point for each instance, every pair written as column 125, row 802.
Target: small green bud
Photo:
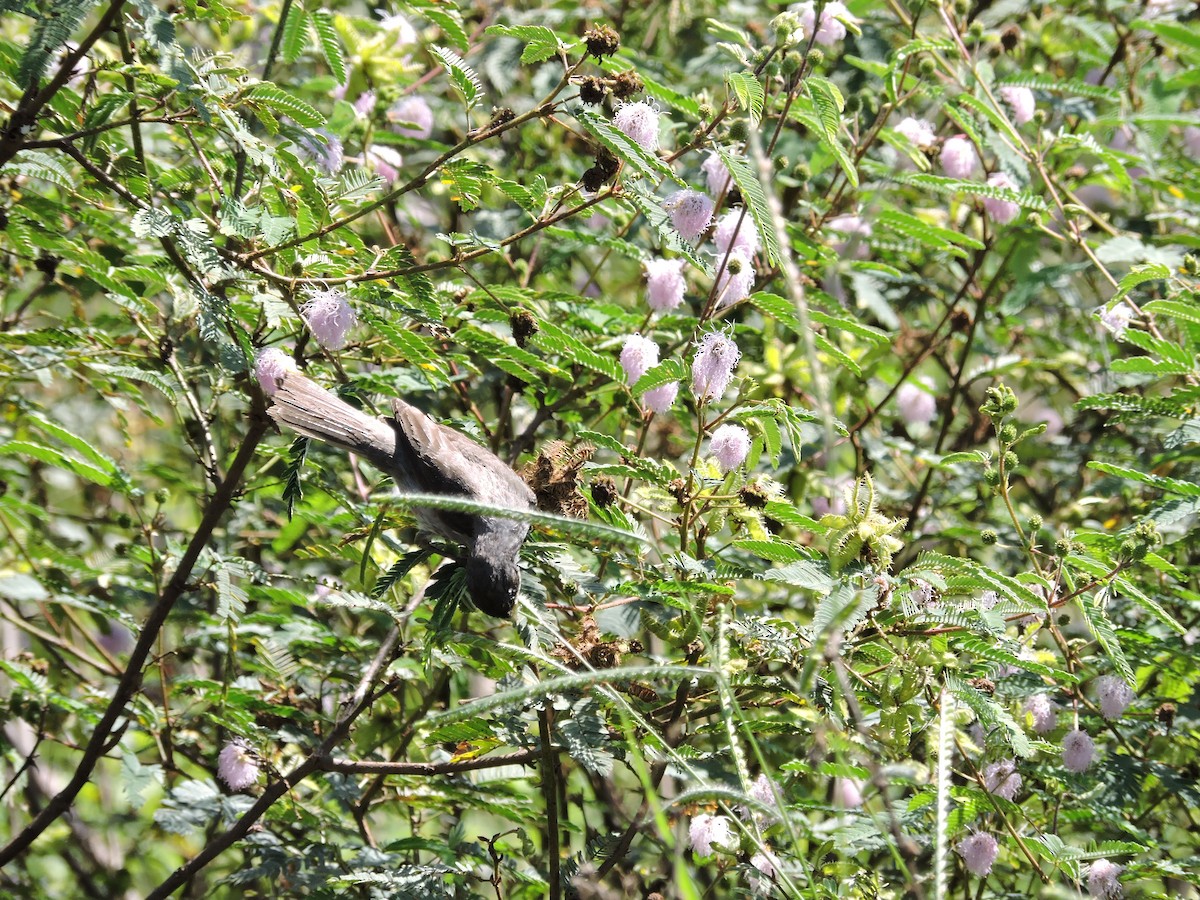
column 1008, row 433
column 815, row 57
column 161, row 496
column 121, row 549
column 781, row 163
column 124, row 520
column 999, row 402
column 1191, row 266
column 792, row 62
column 705, row 111
column 854, row 103
column 1034, row 218
column 1011, row 461
column 739, row 131
column 801, row 171
column 962, row 7
column 1062, row 547
column 773, row 68
column 988, row 537
column 927, row 66
column 975, row 32
column 991, row 476
column 1035, row 523
column 1040, row 116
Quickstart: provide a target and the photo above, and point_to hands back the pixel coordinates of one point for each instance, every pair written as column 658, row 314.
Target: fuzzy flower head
column 329, row 317
column 1020, row 101
column 765, row 863
column 325, row 149
column 736, row 230
column 386, row 162
column 661, row 398
column 639, row 122
column 1002, row 778
column 917, row 132
column 847, row 793
column 761, row 789
column 987, row 600
column 830, row 29
column 1191, row 141
column 411, row 117
column 399, row 26
column 736, row 279
column 237, row 766
column 1044, row 713
column 1114, row 696
column 704, row 831
column 716, row 175
column 365, row 105
column 638, row 356
column 1077, row 750
column 730, row 444
column 857, row 231
column 978, row 852
column 1117, row 319
column 1102, row 878
column 271, row 367
column 665, row 285
column 958, row 157
column 712, row 369
column 690, row 212
column 1001, row 211
column 916, row 404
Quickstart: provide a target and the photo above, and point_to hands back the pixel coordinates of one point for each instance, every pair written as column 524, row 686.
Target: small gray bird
column 425, row 457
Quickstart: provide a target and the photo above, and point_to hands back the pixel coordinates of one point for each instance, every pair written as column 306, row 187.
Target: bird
column 424, row 456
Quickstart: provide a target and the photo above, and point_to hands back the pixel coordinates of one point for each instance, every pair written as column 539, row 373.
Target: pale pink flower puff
column 1102, row 878
column 958, row 157
column 712, row 369
column 736, row 278
column 690, row 211
column 271, row 367
column 329, row 317
column 1114, row 696
column 236, row 766
column 730, row 444
column 829, row 30
column 1077, row 750
column 1001, row 211
column 736, row 230
column 978, row 852
column 411, row 117
column 638, row 356
column 661, row 398
column 639, row 122
column 705, row 830
column 665, row 285
column 1041, row 709
column 1002, row 778
column 917, row 132
column 1020, row 100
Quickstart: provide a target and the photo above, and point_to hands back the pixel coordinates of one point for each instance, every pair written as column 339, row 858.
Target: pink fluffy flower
column 736, row 279
column 329, row 318
column 411, row 117
column 665, row 285
column 661, row 398
column 1191, row 141
column 857, row 230
column 958, row 157
column 1114, row 696
column 847, row 793
column 1001, row 211
column 399, row 25
column 978, row 852
column 829, row 30
column 638, row 356
column 1117, row 319
column 1020, row 101
column 712, row 369
column 737, row 230
column 705, row 830
column 639, row 122
column 270, row 368
column 1077, row 750
column 1042, row 710
column 386, row 161
column 690, row 211
column 365, row 105
column 324, row 148
column 730, row 444
column 916, row 404
column 716, row 175
column 1002, row 778
column 236, row 765
column 761, row 788
column 917, row 132
column 1102, row 879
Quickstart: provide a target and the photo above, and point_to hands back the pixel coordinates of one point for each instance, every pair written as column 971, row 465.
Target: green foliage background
column 175, row 575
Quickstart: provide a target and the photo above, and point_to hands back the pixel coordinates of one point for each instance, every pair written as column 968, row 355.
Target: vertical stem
column 550, row 794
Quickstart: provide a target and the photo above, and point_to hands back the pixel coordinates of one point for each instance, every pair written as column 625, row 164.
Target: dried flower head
column 638, row 356
column 690, row 211
column 237, row 765
column 729, row 445
column 958, row 157
column 411, row 117
column 1043, row 711
column 665, row 285
column 1114, row 696
column 1002, row 778
column 917, row 132
column 1020, row 101
column 1102, row 878
column 712, row 368
column 1001, row 211
column 329, row 317
column 978, row 852
column 639, row 123
column 706, row 830
column 602, row 40
column 270, row 368
column 1077, row 750
column 736, row 230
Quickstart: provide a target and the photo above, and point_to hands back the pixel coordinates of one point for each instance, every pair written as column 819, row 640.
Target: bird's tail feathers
column 304, row 406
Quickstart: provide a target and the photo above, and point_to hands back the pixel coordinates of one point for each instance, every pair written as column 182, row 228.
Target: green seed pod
column 1011, row 461
column 927, row 66
column 988, row 537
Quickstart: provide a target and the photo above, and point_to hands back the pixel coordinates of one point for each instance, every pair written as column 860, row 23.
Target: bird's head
column 493, row 585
